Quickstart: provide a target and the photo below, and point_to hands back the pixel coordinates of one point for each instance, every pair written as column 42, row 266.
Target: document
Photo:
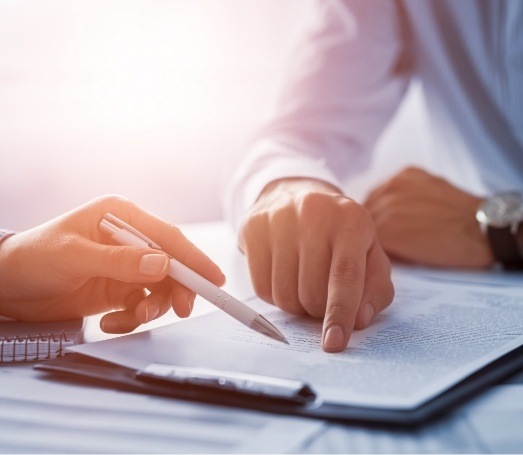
column 433, row 335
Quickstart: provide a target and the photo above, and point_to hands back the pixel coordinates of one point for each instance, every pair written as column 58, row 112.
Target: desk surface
column 43, row 415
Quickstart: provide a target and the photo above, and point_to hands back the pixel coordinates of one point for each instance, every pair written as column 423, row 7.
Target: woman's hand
column 67, row 268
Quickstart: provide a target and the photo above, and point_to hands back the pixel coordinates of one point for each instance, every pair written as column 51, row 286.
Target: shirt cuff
column 5, row 234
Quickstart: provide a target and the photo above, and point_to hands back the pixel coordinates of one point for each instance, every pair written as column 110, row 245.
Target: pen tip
column 277, row 335
column 262, row 325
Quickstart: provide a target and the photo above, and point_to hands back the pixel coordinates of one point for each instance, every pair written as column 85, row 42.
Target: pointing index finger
column 346, row 282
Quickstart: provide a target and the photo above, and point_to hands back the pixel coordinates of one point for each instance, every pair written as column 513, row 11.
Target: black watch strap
column 505, row 247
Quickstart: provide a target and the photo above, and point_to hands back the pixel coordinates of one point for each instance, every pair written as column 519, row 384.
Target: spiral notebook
column 29, row 342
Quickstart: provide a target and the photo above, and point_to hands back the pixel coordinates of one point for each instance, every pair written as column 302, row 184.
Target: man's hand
column 423, row 219
column 67, row 268
column 312, row 250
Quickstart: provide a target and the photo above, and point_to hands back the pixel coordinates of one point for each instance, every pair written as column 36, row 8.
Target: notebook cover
column 37, row 341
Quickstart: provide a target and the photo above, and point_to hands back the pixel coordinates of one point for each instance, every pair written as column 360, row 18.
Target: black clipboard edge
column 98, row 372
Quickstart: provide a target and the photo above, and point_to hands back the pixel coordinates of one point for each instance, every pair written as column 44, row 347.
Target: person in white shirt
column 67, row 268
column 310, row 248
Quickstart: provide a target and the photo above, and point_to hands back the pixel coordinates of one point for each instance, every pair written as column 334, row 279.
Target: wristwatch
column 501, row 219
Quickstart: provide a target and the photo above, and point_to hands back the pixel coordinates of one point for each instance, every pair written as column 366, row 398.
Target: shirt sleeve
column 4, row 234
column 347, row 77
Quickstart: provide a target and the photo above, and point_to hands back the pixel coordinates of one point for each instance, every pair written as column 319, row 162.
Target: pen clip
column 239, row 384
column 113, row 223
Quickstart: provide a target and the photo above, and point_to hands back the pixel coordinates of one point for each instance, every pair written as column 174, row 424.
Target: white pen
column 125, row 234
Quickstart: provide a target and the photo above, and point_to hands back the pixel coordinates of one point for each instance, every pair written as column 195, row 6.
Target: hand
column 312, row 250
column 423, row 219
column 65, row 269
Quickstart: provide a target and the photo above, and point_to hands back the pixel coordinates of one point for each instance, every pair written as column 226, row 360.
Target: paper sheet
column 432, row 336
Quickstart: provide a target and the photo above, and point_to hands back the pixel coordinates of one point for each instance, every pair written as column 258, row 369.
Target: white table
column 42, row 415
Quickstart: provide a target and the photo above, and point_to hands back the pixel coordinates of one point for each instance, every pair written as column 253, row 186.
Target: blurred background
column 154, row 100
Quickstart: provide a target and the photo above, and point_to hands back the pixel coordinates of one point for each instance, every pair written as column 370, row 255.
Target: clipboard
column 290, row 397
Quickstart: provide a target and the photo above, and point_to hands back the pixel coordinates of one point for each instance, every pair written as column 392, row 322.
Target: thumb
column 123, row 263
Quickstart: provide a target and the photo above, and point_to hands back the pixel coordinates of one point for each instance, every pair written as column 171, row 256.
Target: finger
column 313, row 277
column 284, row 252
column 123, row 263
column 169, row 237
column 379, row 290
column 182, row 299
column 196, row 260
column 345, row 289
column 172, row 241
column 284, row 278
column 123, row 321
column 156, row 304
column 344, row 295
column 255, row 241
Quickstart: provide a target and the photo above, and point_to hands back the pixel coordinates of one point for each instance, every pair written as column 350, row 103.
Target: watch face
column 502, row 210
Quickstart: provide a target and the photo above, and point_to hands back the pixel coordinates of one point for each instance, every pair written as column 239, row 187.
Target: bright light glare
column 151, row 99
column 143, row 69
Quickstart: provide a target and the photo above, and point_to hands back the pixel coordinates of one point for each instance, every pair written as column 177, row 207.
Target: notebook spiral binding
column 33, row 347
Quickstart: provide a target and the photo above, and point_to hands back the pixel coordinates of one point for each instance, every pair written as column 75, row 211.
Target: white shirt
column 349, row 76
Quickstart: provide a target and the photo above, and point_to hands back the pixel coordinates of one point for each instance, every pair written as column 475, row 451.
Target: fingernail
column 368, row 314
column 334, row 338
column 148, row 312
column 152, row 264
column 108, row 326
column 104, row 326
